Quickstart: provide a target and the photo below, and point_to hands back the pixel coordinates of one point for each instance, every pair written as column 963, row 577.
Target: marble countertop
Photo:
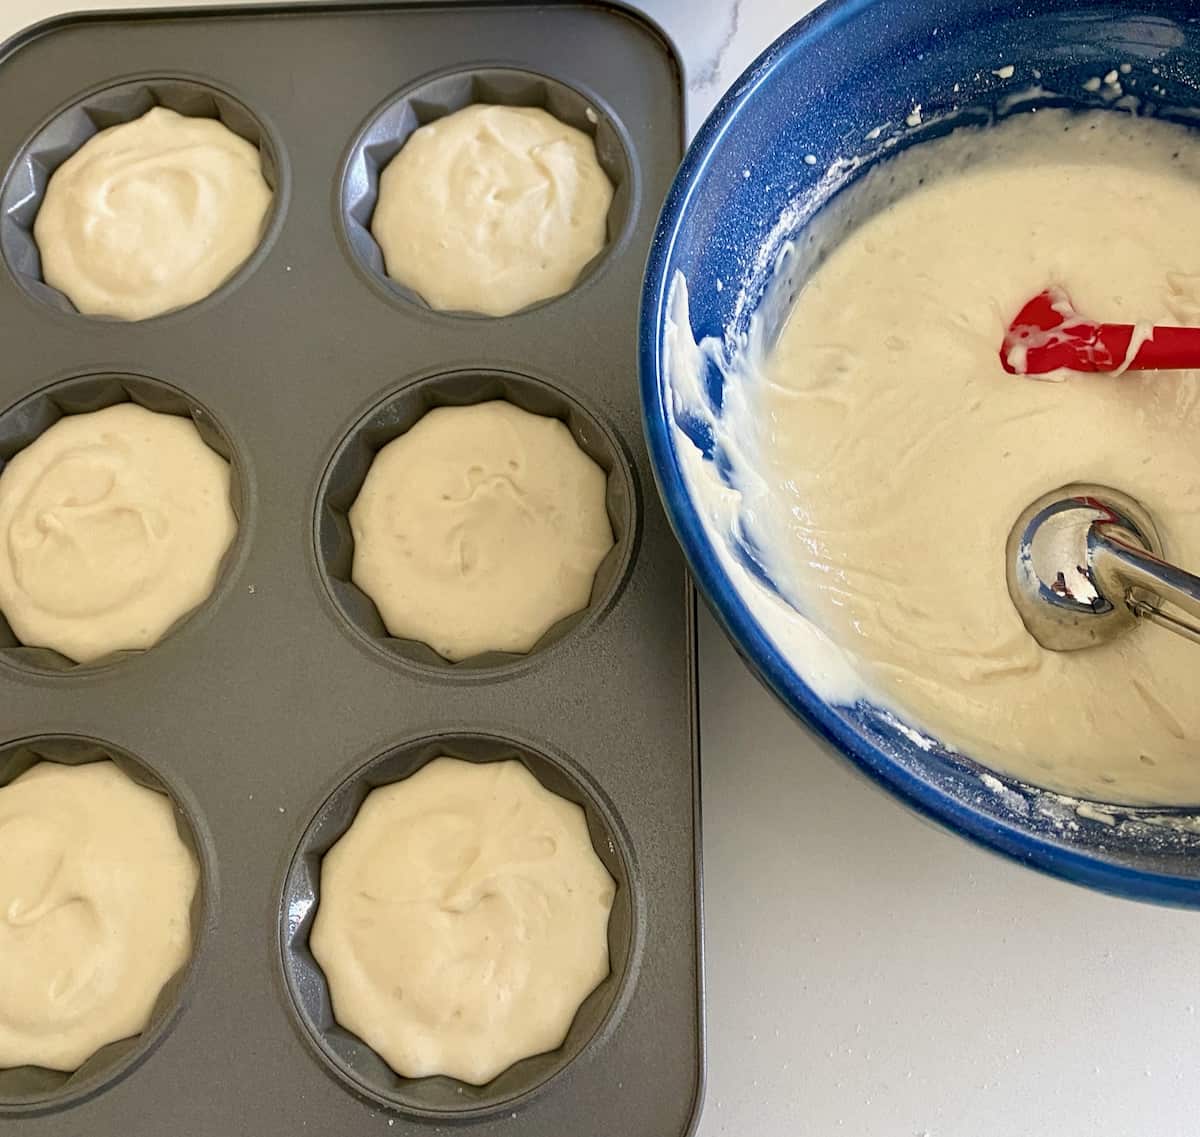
column 868, row 974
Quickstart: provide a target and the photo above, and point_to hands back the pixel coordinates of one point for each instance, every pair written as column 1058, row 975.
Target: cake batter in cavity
column 479, row 529
column 463, row 920
column 113, row 525
column 95, row 892
column 899, row 454
column 151, row 215
column 491, row 209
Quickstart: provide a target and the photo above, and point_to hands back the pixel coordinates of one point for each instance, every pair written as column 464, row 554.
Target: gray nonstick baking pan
column 271, row 711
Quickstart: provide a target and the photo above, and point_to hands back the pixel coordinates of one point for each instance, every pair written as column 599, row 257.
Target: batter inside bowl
column 463, row 920
column 897, row 454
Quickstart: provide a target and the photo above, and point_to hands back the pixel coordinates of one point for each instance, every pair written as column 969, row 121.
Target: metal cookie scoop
column 1085, row 563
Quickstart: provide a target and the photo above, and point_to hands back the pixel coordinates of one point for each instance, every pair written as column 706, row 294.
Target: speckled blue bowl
column 816, row 97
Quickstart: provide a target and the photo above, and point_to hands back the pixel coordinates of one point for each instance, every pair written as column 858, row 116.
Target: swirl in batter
column 492, row 209
column 479, row 529
column 112, row 527
column 95, row 892
column 463, row 920
column 151, row 215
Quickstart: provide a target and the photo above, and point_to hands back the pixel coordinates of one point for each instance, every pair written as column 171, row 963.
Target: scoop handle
column 1145, row 581
column 1168, row 349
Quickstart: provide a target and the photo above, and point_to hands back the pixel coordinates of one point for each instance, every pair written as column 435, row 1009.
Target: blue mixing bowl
column 838, row 92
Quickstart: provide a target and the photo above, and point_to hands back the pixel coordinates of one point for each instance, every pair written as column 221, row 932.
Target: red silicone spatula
column 1049, row 335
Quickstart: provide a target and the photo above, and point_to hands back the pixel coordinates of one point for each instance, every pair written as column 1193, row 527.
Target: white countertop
column 870, row 975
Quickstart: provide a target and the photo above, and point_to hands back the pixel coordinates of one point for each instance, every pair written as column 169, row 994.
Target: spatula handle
column 1169, row 349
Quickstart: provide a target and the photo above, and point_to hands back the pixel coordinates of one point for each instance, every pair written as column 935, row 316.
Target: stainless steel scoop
column 1085, row 564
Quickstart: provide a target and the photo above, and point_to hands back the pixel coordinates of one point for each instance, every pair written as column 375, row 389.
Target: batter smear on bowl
column 898, row 453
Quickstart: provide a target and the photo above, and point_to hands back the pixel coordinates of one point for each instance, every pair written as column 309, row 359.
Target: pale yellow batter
column 491, row 209
column 113, row 525
column 95, row 892
column 479, row 529
column 151, row 215
column 899, row 453
column 463, row 920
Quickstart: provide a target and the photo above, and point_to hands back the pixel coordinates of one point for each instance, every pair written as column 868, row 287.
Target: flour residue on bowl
column 861, row 470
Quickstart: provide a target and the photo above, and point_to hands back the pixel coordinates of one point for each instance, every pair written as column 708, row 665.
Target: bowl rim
column 765, row 661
